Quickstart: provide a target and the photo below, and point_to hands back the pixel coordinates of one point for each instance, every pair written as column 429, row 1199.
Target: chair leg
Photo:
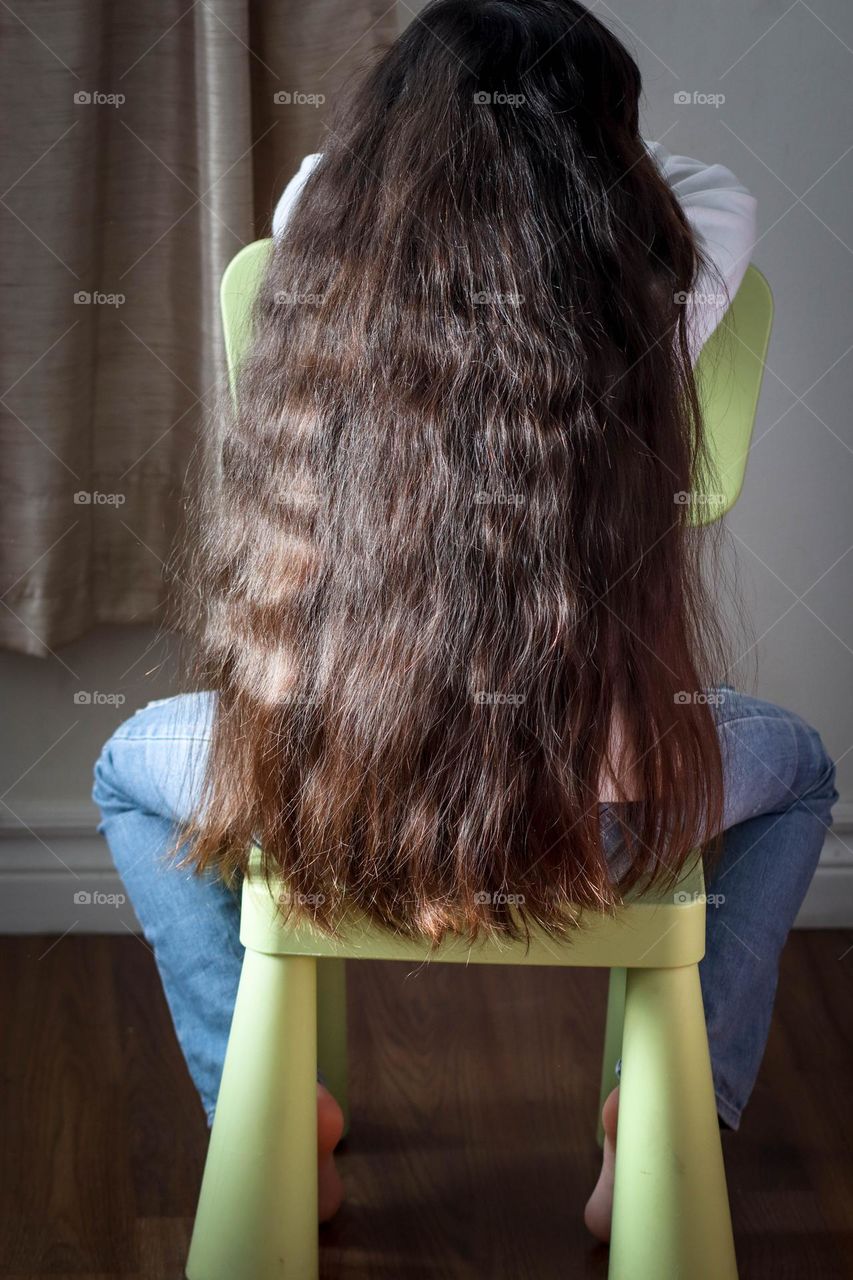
column 257, row 1212
column 671, row 1210
column 332, row 1029
column 612, row 1042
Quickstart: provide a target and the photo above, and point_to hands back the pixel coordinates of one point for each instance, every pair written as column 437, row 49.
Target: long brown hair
column 446, row 551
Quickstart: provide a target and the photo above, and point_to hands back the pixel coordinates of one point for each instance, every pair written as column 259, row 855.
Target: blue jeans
column 779, row 793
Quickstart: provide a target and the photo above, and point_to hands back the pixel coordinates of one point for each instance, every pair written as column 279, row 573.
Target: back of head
column 446, row 561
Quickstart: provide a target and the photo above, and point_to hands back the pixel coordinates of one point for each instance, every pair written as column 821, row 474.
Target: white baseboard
column 48, row 861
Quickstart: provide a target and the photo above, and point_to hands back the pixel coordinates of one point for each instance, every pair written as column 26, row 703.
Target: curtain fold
column 142, row 145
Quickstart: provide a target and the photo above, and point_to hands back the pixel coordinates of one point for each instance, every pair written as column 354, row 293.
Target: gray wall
column 785, row 73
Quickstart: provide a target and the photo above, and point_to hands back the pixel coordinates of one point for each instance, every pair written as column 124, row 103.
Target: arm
column 722, row 214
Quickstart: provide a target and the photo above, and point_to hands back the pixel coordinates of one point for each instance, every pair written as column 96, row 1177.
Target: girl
column 454, row 642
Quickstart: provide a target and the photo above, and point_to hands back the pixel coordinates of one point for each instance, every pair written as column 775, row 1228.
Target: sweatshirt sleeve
column 291, row 192
column 722, row 214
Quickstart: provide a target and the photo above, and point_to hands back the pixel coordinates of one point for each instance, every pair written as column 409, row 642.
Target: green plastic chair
column 257, row 1212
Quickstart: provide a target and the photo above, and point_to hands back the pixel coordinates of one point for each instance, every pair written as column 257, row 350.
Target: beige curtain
column 144, row 143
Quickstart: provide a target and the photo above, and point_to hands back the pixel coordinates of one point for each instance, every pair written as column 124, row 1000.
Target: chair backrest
column 728, row 373
column 240, row 285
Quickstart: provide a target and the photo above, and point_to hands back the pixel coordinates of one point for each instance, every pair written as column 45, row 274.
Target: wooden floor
column 472, row 1147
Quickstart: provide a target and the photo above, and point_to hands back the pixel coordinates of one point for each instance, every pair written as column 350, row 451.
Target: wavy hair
column 447, row 582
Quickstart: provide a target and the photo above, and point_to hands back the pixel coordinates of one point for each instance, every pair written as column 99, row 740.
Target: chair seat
column 648, row 932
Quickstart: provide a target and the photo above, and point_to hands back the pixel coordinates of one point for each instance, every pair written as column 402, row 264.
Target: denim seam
column 760, row 715
column 727, row 1110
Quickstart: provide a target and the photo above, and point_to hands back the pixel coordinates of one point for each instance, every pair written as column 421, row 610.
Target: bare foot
column 599, row 1206
column 330, row 1126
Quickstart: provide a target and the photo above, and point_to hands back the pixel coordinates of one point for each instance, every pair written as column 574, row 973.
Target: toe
column 610, row 1114
column 330, row 1121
